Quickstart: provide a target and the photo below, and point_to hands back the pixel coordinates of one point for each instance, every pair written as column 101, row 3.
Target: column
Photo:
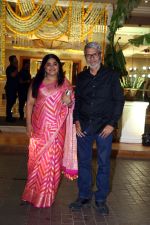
column 133, row 122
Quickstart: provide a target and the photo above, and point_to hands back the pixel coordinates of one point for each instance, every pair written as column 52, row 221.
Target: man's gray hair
column 92, row 45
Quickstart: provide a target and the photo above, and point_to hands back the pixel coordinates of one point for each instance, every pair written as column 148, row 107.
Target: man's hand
column 78, row 129
column 108, row 129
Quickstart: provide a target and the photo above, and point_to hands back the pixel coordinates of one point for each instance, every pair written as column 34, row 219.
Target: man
column 98, row 106
column 11, row 86
column 24, row 82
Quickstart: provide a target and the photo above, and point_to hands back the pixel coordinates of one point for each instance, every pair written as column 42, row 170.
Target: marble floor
column 128, row 201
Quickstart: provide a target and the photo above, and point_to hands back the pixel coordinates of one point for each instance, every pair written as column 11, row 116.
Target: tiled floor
column 129, row 199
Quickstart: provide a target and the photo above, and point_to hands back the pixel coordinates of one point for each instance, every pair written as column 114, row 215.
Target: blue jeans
column 104, row 146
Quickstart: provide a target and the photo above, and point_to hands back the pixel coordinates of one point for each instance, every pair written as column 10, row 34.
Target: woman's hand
column 29, row 130
column 66, row 97
column 29, row 109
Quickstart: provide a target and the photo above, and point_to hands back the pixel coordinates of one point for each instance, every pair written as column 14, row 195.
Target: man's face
column 93, row 57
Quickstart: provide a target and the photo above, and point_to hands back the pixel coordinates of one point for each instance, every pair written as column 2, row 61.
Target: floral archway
column 76, row 21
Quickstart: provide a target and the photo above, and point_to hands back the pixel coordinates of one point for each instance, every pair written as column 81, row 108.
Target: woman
column 48, row 105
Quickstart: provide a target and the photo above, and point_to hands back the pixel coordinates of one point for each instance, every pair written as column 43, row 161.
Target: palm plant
column 134, row 82
column 114, row 56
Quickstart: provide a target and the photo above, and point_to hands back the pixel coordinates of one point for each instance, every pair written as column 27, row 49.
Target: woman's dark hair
column 41, row 74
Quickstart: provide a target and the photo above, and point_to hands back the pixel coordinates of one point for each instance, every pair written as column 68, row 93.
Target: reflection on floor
column 128, row 201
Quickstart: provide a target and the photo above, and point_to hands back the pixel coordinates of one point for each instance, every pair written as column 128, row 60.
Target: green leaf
column 114, row 58
column 142, row 40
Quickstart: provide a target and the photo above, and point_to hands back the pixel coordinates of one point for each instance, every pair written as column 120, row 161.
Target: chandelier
column 51, row 20
column 76, row 22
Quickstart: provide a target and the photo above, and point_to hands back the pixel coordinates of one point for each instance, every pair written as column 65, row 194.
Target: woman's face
column 51, row 67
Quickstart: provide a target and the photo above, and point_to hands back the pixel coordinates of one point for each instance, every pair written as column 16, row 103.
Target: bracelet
column 64, row 103
column 69, row 105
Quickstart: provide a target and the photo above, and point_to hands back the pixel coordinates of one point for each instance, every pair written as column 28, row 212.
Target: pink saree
column 51, row 121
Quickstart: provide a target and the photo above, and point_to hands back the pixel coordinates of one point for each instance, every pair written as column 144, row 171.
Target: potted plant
column 131, row 84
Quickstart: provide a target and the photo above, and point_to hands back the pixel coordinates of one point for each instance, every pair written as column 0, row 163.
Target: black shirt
column 24, row 80
column 99, row 99
column 12, row 81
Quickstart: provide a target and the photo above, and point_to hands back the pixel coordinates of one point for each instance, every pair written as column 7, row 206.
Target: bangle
column 69, row 105
column 64, row 103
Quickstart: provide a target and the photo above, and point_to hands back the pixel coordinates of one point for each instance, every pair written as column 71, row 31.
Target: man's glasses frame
column 94, row 55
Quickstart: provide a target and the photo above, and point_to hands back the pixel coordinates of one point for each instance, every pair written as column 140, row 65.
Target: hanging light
column 144, row 67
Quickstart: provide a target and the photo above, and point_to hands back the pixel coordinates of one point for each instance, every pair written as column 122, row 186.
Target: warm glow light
column 143, row 75
column 134, row 68
column 144, row 67
column 130, row 68
column 134, row 75
column 148, row 75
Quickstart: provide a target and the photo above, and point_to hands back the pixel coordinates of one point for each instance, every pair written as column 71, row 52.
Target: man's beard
column 95, row 66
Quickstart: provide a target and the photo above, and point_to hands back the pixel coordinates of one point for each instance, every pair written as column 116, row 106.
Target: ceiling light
column 144, row 67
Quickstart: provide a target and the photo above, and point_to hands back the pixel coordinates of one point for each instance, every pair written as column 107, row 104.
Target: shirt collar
column 98, row 72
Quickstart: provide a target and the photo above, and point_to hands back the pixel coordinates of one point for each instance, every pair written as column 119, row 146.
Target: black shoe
column 79, row 203
column 10, row 119
column 21, row 118
column 22, row 203
column 102, row 208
